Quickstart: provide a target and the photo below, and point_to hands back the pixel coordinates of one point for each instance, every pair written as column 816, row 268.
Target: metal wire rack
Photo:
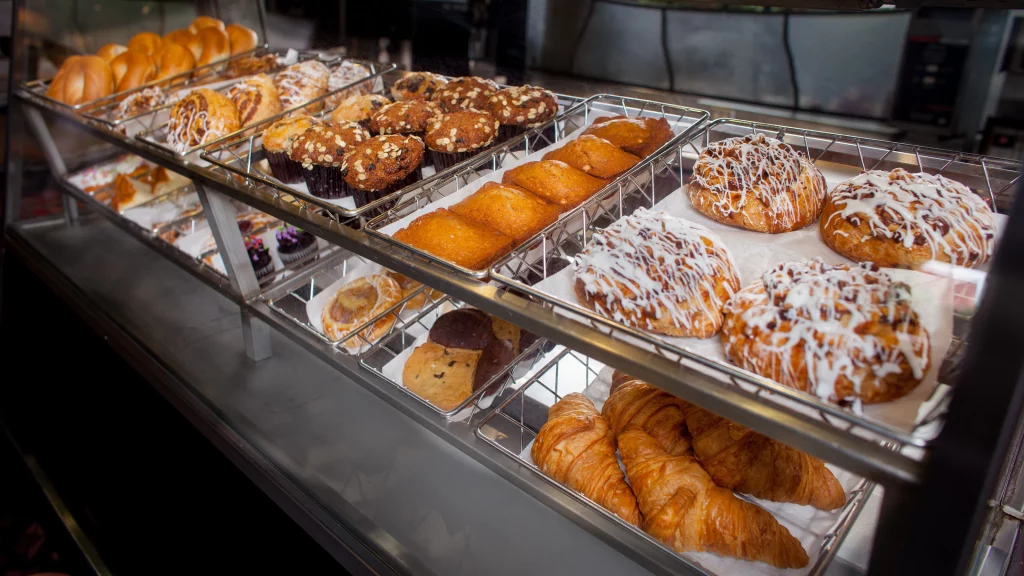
column 684, row 121
column 241, row 156
column 390, row 348
column 556, row 247
column 157, row 136
column 513, row 425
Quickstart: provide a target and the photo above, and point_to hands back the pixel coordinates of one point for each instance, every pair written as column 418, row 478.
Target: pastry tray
column 512, row 426
column 199, row 75
column 527, row 268
column 387, row 360
column 444, row 192
column 157, row 135
column 242, row 157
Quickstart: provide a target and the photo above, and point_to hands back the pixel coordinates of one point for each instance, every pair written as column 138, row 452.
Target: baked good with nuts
column 380, row 166
column 466, row 93
column 321, row 150
column 406, row 117
column 277, row 145
column 456, row 136
column 520, row 108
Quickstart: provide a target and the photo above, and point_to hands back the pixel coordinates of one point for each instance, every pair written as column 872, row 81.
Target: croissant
column 575, row 447
column 658, row 413
column 684, row 508
column 743, row 460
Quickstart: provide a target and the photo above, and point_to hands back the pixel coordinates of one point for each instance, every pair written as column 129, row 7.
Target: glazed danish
column 758, row 183
column 658, row 273
column 358, row 302
column 899, row 219
column 201, row 116
column 255, row 98
column 842, row 333
column 302, row 82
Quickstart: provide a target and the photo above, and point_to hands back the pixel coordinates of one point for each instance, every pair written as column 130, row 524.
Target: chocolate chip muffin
column 277, row 144
column 520, row 108
column 321, row 150
column 408, row 117
column 417, row 86
column 466, row 93
column 358, row 109
column 456, row 136
column 382, row 165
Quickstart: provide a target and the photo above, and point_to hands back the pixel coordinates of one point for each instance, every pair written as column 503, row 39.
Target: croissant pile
column 683, row 464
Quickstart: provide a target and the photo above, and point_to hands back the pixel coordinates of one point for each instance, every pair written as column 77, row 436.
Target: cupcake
column 456, row 136
column 466, row 93
column 382, row 165
column 417, row 86
column 358, row 109
column 320, row 150
column 277, row 143
column 520, row 108
column 294, row 244
column 259, row 256
column 410, row 117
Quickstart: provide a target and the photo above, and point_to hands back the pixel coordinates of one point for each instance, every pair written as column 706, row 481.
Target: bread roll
column 145, row 42
column 81, row 79
column 111, row 51
column 195, row 45
column 216, row 46
column 132, row 69
column 173, row 59
column 205, row 22
column 180, row 36
column 242, row 39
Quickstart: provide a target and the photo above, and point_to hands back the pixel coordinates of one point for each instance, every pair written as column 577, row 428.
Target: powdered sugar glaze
column 825, row 324
column 653, row 264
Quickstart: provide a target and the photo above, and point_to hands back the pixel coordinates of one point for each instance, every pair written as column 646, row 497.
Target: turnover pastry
column 842, row 333
column 683, row 508
column 576, row 448
column 758, row 183
column 200, row 117
column 595, row 156
column 556, row 182
column 898, row 219
column 508, row 209
column 641, row 136
column 357, row 303
column 456, row 239
column 658, row 273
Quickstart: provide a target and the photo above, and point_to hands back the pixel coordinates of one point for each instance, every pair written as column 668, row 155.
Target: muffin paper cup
column 290, row 257
column 364, row 197
column 326, row 182
column 265, row 269
column 284, row 168
column 445, row 160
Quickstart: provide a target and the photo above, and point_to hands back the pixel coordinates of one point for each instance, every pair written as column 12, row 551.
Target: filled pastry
column 902, row 220
column 758, row 183
column 555, row 182
column 508, row 209
column 200, row 117
column 658, row 273
column 255, row 98
column 357, row 303
column 595, row 156
column 640, row 136
column 301, row 82
column 456, row 239
column 842, row 333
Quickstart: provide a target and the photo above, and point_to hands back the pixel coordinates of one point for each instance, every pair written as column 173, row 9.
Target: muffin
column 294, row 244
column 382, row 165
column 411, row 117
column 259, row 257
column 321, row 150
column 358, row 109
column 418, row 86
column 520, row 108
column 277, row 144
column 466, row 93
column 457, row 136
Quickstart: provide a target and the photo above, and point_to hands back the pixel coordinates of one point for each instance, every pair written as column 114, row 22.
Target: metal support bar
column 221, row 216
column 53, row 158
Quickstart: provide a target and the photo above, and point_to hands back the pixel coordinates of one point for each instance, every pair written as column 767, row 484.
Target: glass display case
column 402, row 312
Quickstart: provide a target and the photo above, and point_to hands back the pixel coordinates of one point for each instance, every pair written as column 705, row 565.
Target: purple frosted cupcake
column 277, row 143
column 456, row 136
column 380, row 166
column 294, row 244
column 259, row 256
column 321, row 151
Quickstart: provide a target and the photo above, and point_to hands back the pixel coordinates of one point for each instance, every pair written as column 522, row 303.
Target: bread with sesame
column 595, row 156
column 466, row 93
column 556, row 182
column 406, row 117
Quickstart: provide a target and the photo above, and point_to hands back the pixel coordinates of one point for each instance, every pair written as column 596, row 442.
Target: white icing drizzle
column 191, row 126
column 344, row 74
column 301, row 82
column 653, row 263
column 826, row 315
column 919, row 209
column 140, row 102
column 763, row 167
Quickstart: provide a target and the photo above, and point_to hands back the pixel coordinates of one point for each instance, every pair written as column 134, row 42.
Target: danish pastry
column 556, row 182
column 508, row 209
column 758, row 183
column 658, row 273
column 595, row 156
column 455, row 239
column 255, row 98
column 902, row 220
column 201, row 116
column 842, row 333
column 640, row 136
column 300, row 83
column 355, row 304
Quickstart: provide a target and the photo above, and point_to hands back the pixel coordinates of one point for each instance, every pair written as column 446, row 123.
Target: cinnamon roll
column 200, row 117
column 300, row 83
column 255, row 98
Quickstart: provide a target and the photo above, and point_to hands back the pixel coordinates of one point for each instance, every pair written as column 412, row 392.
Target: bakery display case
column 470, row 327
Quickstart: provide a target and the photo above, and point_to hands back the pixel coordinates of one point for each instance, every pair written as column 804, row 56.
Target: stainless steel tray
column 685, row 120
column 513, row 425
column 556, row 247
column 241, row 156
column 157, row 135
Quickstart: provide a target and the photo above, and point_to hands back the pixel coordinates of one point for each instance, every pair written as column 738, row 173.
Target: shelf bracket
column 221, row 216
column 44, row 137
